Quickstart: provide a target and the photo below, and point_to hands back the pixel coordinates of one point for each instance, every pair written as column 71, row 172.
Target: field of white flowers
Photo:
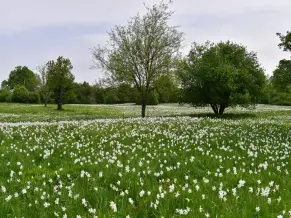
column 154, row 167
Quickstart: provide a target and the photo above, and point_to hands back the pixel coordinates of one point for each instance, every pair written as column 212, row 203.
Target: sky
column 32, row 32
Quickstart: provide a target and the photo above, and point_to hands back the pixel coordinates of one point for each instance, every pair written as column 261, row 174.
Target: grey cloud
column 252, row 23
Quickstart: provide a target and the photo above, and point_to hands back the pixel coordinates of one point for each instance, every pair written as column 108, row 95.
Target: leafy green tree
column 221, row 75
column 282, row 76
column 141, row 51
column 166, row 89
column 285, row 41
column 59, row 78
column 23, row 76
column 84, row 93
column 20, row 94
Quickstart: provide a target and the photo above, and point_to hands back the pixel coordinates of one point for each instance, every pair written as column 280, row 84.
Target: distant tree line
column 18, row 89
column 142, row 64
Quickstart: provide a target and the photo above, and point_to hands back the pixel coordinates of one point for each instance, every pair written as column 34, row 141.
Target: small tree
column 221, row 75
column 59, row 78
column 44, row 90
column 141, row 51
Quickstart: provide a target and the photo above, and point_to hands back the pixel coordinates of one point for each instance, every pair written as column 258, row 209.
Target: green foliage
column 45, row 91
column 222, row 75
column 4, row 95
column 5, row 85
column 285, row 41
column 111, row 95
column 166, row 89
column 153, row 98
column 99, row 94
column 22, row 76
column 20, row 94
column 59, row 78
column 141, row 51
column 34, row 98
column 125, row 93
column 84, row 93
column 282, row 76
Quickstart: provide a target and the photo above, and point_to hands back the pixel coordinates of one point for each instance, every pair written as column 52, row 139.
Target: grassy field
column 103, row 161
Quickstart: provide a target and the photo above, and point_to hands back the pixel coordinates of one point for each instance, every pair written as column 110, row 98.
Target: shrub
column 20, row 94
column 4, row 94
column 34, row 98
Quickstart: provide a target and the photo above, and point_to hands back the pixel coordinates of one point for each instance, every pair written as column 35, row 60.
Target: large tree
column 23, row 76
column 221, row 75
column 139, row 52
column 59, row 78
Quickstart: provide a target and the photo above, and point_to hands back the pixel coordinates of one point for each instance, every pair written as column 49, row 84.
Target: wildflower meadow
column 176, row 166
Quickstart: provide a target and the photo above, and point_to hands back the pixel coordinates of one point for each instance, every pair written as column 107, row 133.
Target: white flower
column 113, row 206
column 8, row 198
column 3, row 189
column 257, row 209
column 142, row 192
column 91, row 210
column 130, row 201
column 46, row 204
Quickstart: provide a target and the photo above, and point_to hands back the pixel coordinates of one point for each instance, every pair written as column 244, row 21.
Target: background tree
column 285, row 41
column 59, row 78
column 166, row 89
column 84, row 93
column 222, row 75
column 125, row 93
column 282, row 76
column 44, row 89
column 23, row 76
column 5, row 85
column 141, row 51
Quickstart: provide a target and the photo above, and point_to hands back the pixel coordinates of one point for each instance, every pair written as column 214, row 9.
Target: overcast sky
column 33, row 32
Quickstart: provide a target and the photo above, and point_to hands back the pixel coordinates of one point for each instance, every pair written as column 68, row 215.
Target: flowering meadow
column 155, row 167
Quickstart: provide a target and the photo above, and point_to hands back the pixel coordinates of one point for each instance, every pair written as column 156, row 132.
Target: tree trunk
column 45, row 100
column 214, row 108
column 221, row 109
column 60, row 99
column 143, row 106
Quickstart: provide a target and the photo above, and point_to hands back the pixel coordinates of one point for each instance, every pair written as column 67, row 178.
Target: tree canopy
column 141, row 51
column 59, row 78
column 222, row 75
column 22, row 76
column 285, row 41
column 282, row 76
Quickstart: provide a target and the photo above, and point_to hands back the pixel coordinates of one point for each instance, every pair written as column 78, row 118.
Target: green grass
column 198, row 155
